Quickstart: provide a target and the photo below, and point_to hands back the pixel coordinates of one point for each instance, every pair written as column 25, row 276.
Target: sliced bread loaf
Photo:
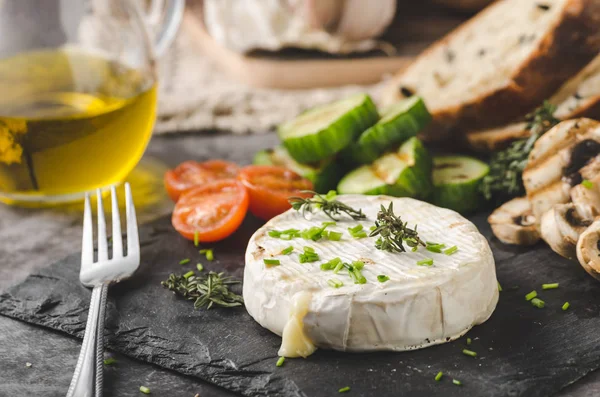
column 579, row 97
column 501, row 64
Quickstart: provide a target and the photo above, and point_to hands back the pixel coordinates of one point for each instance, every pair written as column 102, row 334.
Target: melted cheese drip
column 295, row 342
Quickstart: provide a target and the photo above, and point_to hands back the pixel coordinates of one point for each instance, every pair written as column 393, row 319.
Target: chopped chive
column 330, row 265
column 309, row 249
column 344, row 389
column 434, row 247
column 196, row 238
column 188, row 274
column 334, row 236
column 372, row 228
column 335, row 283
column 358, row 265
column 361, row 234
column 109, row 361
column 550, row 286
column 338, row 267
column 456, row 382
column 329, row 223
column 280, row 361
column 469, row 341
column 199, row 266
column 184, row 261
column 538, row 303
column 414, row 249
column 287, row 251
column 439, row 375
column 356, row 228
column 469, row 353
column 357, row 231
column 208, row 253
column 273, row 233
column 285, row 236
column 531, row 295
column 587, row 184
column 451, row 250
column 144, row 390
column 382, row 278
column 566, row 305
column 499, row 287
column 425, row 262
column 356, row 275
column 271, row 262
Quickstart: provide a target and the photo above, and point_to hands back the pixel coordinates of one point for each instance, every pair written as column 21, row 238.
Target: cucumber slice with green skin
column 399, row 122
column 324, row 175
column 405, row 173
column 456, row 181
column 321, row 132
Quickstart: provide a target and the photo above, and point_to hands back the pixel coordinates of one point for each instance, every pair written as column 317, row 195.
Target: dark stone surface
column 534, row 352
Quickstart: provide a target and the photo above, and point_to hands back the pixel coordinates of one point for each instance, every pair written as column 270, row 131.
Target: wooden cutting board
column 416, row 26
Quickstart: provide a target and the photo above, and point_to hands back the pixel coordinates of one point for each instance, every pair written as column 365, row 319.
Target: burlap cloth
column 196, row 96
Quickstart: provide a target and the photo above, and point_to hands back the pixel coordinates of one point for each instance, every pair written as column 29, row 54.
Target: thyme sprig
column 393, row 233
column 205, row 290
column 504, row 180
column 330, row 207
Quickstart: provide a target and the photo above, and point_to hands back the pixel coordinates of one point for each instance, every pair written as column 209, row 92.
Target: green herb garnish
column 271, row 262
column 531, row 295
column 355, row 273
column 439, row 375
column 382, row 278
column 335, row 283
column 330, row 265
column 144, row 390
column 550, row 286
column 199, row 266
column 566, row 305
column 499, row 287
column 196, row 237
column 208, row 253
column 109, row 361
column 538, row 303
column 184, row 261
column 334, row 236
column 587, row 184
column 393, row 232
column 456, row 382
column 189, row 274
column 357, row 231
column 280, row 362
column 330, row 207
column 469, row 341
column 309, row 255
column 205, row 290
column 469, row 353
column 504, row 181
column 434, row 247
column 425, row 262
column 451, row 250
column 287, row 251
column 338, row 267
column 344, row 389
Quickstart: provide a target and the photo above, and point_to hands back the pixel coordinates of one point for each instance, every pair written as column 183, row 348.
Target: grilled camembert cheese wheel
column 418, row 306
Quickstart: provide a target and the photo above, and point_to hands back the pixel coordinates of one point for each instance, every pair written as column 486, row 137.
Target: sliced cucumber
column 324, row 175
column 321, row 132
column 399, row 122
column 456, row 181
column 405, row 173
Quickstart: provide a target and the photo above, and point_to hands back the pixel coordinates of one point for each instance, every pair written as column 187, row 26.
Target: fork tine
column 102, row 248
column 87, row 241
column 117, row 240
column 133, row 239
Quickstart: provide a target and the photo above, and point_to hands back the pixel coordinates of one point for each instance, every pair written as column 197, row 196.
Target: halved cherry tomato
column 270, row 188
column 191, row 173
column 214, row 210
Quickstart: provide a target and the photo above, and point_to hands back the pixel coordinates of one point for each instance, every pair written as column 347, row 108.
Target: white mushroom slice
column 555, row 161
column 588, row 249
column 587, row 195
column 513, row 223
column 561, row 227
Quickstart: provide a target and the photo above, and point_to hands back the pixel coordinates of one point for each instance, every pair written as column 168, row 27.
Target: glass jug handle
column 164, row 17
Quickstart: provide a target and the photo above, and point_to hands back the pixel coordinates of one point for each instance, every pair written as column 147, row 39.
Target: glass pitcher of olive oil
column 77, row 92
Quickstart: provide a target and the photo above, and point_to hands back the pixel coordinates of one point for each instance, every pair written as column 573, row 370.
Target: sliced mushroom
column 555, row 162
column 561, row 227
column 513, row 223
column 588, row 249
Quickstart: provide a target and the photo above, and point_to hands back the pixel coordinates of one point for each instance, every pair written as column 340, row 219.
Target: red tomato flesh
column 192, row 173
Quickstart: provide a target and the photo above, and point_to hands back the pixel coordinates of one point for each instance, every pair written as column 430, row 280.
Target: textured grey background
column 32, row 239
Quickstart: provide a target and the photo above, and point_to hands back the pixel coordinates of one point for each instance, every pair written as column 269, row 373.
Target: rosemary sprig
column 327, row 204
column 504, row 180
column 393, row 232
column 205, row 290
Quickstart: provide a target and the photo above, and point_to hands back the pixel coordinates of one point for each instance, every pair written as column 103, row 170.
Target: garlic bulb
column 335, row 26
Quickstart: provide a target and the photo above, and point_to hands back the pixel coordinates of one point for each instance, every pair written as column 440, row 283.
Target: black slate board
column 522, row 350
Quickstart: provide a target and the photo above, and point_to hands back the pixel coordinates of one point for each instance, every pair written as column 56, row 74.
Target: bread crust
column 570, row 45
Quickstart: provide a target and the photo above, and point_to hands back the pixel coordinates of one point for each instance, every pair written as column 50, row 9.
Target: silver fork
column 88, row 376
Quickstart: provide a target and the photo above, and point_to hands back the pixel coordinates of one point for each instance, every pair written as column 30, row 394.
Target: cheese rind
column 417, row 307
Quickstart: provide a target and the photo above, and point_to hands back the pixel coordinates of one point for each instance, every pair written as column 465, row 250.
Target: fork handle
column 82, row 383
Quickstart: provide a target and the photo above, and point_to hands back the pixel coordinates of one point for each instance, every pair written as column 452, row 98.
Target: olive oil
column 70, row 122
